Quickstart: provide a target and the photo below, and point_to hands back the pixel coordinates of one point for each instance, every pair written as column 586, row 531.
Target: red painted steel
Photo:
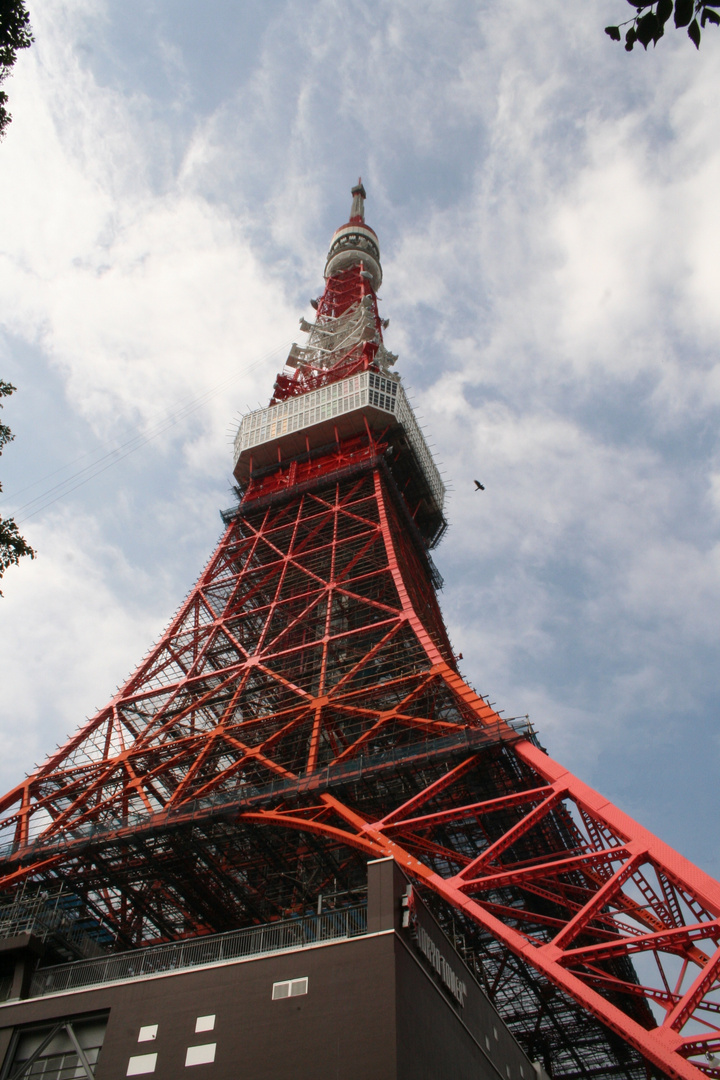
column 616, row 888
column 304, row 711
column 342, row 292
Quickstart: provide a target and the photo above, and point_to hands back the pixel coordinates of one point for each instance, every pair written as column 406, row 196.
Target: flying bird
column 479, row 486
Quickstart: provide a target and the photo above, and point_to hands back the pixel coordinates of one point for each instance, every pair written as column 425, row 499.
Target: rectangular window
column 200, row 1055
column 205, row 1023
column 148, row 1033
column 67, row 1047
column 141, row 1064
column 289, row 988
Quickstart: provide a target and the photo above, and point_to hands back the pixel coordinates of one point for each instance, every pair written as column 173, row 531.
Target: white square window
column 200, row 1055
column 289, row 988
column 140, row 1064
column 148, row 1033
column 205, row 1023
column 487, row 1041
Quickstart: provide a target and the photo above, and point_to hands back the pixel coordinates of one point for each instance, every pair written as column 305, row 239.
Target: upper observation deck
column 339, row 385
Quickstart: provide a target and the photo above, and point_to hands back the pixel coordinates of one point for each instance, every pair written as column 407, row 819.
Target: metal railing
column 250, row 796
column 353, row 395
column 298, row 933
column 51, row 916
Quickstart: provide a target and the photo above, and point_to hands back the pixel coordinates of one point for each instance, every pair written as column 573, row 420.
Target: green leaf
column 694, row 33
column 647, row 29
column 613, row 32
column 710, row 16
column 684, row 10
column 630, row 39
column 664, row 10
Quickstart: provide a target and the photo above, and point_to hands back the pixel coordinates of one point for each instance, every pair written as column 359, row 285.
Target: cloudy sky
column 548, row 212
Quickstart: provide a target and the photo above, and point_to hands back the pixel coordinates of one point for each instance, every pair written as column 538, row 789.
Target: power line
column 103, row 462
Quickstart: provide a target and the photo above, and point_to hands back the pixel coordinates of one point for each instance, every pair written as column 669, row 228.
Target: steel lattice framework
column 304, row 712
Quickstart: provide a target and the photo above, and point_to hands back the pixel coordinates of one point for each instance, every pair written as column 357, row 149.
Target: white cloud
column 81, row 616
column 141, row 296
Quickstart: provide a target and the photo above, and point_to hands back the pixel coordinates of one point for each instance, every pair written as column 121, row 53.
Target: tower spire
column 357, row 210
column 355, row 242
column 347, row 335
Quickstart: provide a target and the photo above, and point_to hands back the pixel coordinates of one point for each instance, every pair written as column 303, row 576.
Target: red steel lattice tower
column 303, row 712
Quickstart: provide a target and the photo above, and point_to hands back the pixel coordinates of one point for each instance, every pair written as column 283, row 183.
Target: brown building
column 371, row 992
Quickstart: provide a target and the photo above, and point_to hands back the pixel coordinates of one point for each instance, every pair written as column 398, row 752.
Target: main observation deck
column 339, row 410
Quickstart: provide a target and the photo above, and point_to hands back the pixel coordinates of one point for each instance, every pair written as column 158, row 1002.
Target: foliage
column 12, row 545
column 15, row 34
column 648, row 23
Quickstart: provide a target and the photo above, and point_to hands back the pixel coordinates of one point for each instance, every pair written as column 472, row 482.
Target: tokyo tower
column 303, row 714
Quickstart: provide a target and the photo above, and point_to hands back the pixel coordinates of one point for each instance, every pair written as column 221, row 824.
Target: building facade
column 349, row 992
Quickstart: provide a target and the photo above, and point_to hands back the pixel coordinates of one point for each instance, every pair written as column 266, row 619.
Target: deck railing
column 297, row 933
column 247, row 796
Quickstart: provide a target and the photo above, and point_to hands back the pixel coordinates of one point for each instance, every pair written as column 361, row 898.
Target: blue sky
column 548, row 215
